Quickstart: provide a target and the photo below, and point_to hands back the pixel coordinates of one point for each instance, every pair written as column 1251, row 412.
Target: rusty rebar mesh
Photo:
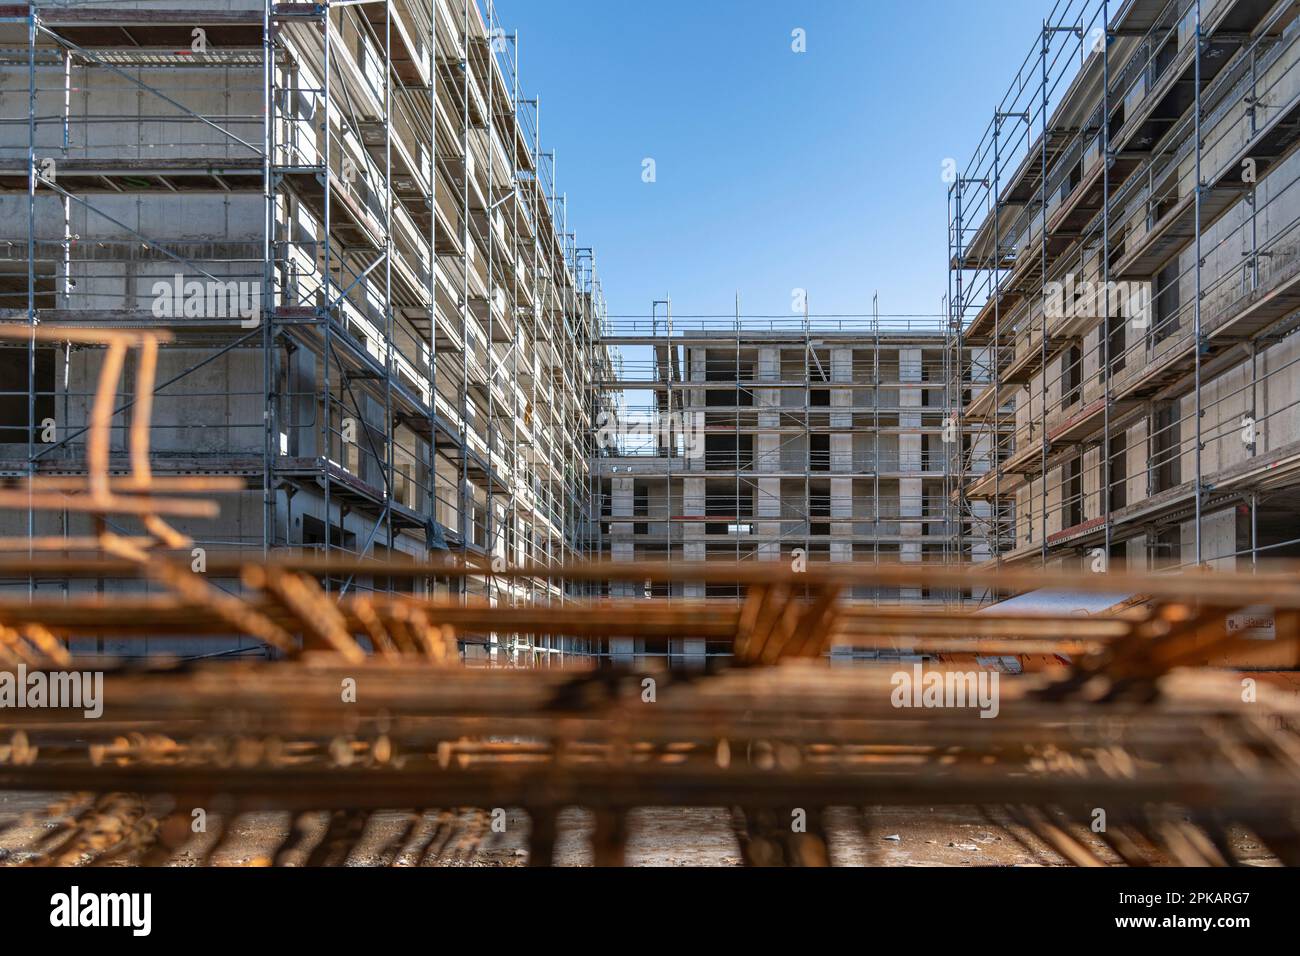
column 1158, row 717
column 1175, row 755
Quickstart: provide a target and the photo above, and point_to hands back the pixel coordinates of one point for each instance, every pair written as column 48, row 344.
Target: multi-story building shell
column 343, row 216
column 806, row 439
column 1125, row 260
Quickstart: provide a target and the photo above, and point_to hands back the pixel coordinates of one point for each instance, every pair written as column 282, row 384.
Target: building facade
column 344, row 219
column 1125, row 259
column 797, row 440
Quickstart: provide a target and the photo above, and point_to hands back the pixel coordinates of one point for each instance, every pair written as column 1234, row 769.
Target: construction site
column 339, row 514
column 379, row 324
column 1123, row 249
column 773, row 440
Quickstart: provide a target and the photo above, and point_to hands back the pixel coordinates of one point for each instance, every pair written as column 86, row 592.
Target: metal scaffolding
column 1123, row 254
column 809, row 438
column 343, row 215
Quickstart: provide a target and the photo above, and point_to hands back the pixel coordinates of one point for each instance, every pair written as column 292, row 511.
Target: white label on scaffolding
column 1254, row 623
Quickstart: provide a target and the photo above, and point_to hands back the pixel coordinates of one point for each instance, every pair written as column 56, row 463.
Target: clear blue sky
column 775, row 170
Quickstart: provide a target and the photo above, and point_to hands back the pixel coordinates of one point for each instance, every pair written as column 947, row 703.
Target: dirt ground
column 942, row 836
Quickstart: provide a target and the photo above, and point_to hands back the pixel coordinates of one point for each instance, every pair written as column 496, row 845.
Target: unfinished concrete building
column 1125, row 274
column 344, row 219
column 805, row 439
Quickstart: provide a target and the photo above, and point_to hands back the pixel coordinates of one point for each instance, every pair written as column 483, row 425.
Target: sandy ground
column 946, row 836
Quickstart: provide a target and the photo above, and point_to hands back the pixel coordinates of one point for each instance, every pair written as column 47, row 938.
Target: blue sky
column 774, row 170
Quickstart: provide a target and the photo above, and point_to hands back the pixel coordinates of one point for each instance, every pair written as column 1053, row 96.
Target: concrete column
column 767, row 445
column 622, row 491
column 768, row 400
column 909, row 460
column 841, row 499
column 1218, row 540
column 1056, row 489
column 841, row 398
column 1094, row 504
column 842, row 452
column 693, row 423
column 622, row 503
column 981, row 455
column 767, row 505
column 691, row 650
column 1135, row 469
column 981, row 548
column 693, row 505
column 842, row 371
column 842, row 365
column 1135, row 553
column 981, row 365
column 693, row 546
column 841, row 546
